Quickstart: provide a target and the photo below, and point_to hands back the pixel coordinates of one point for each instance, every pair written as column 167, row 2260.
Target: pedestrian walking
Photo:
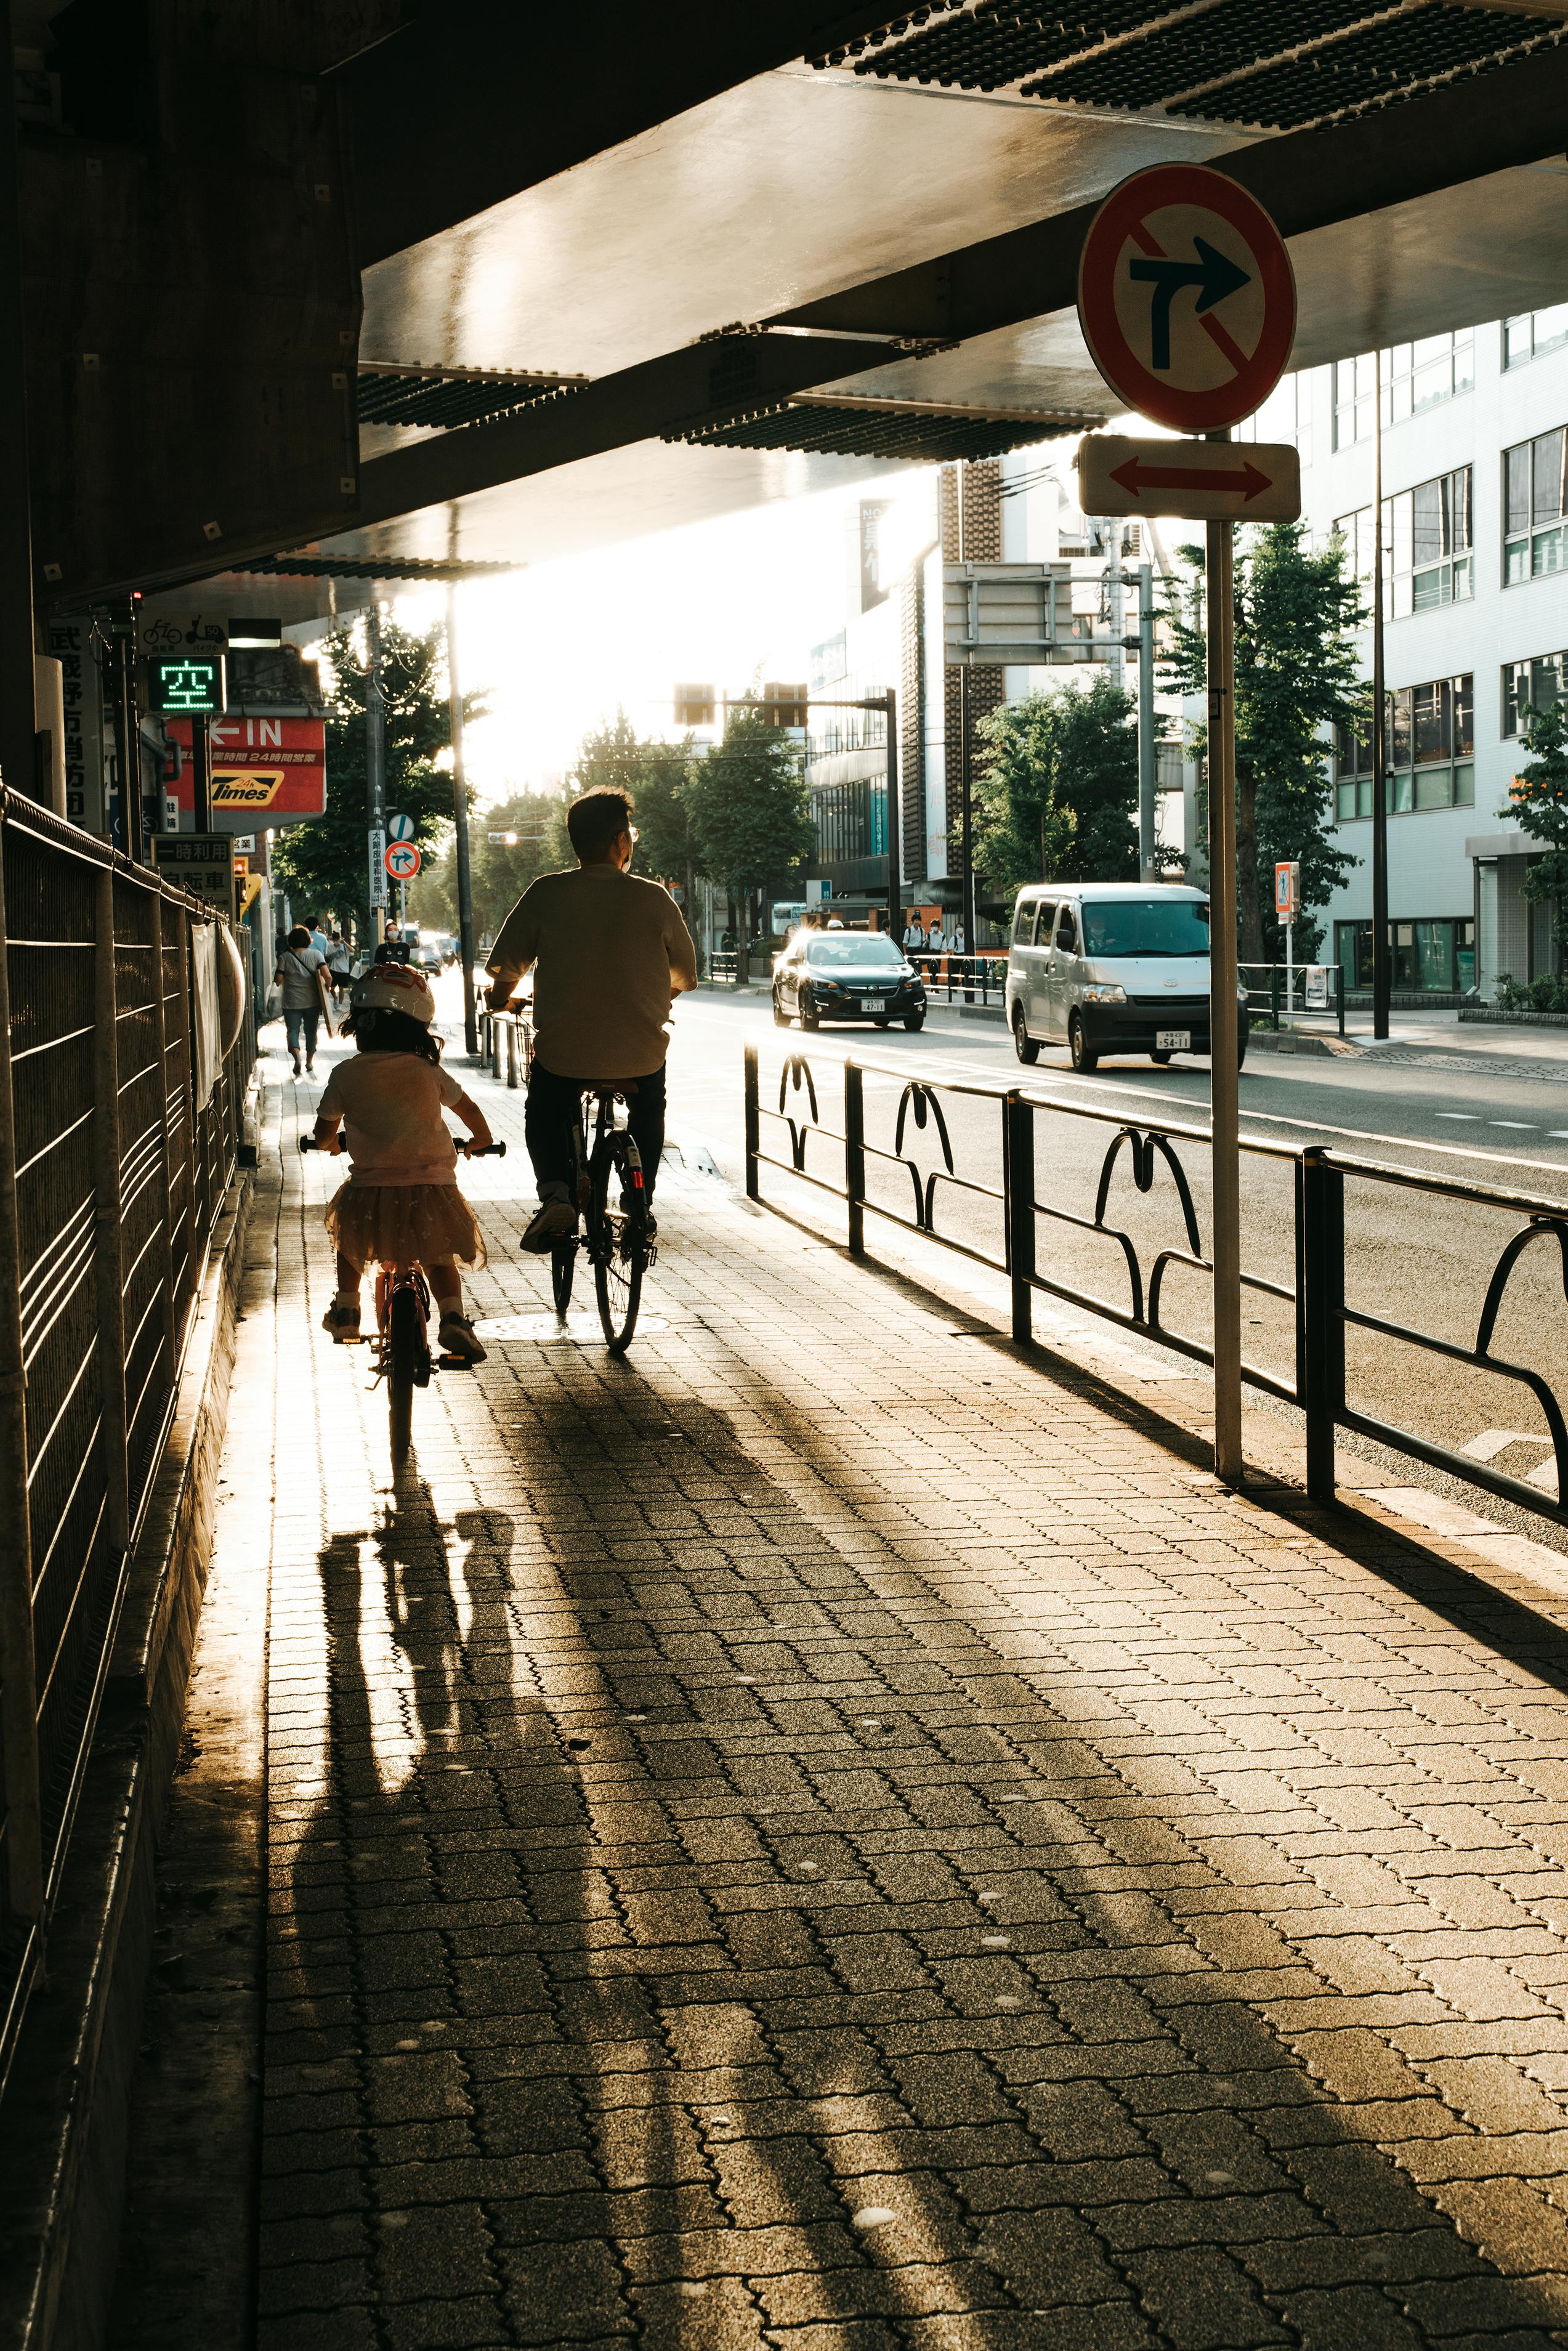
column 914, row 934
column 934, row 943
column 339, row 962
column 299, row 975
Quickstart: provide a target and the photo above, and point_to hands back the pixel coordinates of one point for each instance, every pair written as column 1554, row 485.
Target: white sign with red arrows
column 1203, row 481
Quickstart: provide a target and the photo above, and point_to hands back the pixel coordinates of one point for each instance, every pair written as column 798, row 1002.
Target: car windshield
column 856, row 948
column 1146, row 926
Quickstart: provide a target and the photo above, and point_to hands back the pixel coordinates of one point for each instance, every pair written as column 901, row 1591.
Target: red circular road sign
column 402, row 860
column 1187, row 296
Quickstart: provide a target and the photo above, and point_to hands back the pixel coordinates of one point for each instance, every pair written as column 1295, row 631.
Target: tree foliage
column 1057, row 798
column 500, row 874
column 1539, row 796
column 324, row 866
column 748, row 808
column 1296, row 616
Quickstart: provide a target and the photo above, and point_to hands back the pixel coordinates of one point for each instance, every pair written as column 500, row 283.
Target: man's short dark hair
column 597, row 818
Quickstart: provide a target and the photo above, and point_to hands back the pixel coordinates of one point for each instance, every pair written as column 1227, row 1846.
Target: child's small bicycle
column 403, row 1331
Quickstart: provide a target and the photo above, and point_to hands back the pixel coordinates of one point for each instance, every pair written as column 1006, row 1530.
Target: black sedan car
column 846, row 975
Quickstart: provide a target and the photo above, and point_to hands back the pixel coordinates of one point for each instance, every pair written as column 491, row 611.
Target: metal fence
column 1321, row 1315
column 113, row 1172
column 1273, row 993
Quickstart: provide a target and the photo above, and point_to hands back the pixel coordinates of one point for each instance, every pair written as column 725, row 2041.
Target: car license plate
column 875, row 1003
column 1173, row 1041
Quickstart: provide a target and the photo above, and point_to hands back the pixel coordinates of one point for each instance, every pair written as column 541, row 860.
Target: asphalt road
column 1421, row 1260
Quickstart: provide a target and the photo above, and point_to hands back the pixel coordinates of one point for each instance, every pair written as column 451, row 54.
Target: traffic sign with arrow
column 1187, row 298
column 1204, row 481
column 403, row 860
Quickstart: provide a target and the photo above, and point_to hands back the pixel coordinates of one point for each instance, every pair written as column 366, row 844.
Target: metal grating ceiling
column 824, row 429
column 390, row 392
column 1281, row 64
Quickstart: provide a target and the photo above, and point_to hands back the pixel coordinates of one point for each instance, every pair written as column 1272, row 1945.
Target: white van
column 1110, row 967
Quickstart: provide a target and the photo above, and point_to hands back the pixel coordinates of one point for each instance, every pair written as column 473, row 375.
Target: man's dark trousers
column 547, row 1121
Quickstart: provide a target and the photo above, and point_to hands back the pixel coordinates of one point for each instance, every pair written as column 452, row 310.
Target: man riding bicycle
column 609, row 953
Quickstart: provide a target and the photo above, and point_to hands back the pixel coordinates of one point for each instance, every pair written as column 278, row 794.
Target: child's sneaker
column 458, row 1339
column 342, row 1322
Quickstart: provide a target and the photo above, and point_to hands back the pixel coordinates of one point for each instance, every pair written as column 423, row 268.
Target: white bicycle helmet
column 394, row 988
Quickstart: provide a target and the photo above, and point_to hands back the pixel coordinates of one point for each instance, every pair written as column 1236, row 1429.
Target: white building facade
column 1476, row 596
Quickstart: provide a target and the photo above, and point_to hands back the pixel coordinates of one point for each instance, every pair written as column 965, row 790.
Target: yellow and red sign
column 265, row 770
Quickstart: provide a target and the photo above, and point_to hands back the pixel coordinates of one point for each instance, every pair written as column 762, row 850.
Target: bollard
column 854, row 1155
column 753, row 1125
column 1018, row 1155
column 514, row 1057
column 1320, row 1312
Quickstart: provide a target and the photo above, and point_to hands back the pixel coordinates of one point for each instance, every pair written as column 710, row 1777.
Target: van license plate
column 1173, row 1041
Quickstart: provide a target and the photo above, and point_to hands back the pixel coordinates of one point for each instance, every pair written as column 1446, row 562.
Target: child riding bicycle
column 400, row 1205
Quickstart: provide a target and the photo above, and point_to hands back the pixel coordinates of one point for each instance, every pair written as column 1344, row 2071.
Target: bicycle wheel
column 405, row 1344
column 617, row 1238
column 562, row 1262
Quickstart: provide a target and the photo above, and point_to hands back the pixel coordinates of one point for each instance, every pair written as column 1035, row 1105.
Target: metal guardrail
column 112, row 1175
column 1268, row 997
column 964, row 978
column 1321, row 1312
column 507, row 1042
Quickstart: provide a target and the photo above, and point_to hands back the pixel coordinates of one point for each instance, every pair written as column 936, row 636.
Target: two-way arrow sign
column 1203, row 481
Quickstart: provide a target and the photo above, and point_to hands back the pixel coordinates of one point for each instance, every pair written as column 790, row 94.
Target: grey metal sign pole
column 895, row 825
column 1224, row 1083
column 1148, row 860
column 1382, row 975
column 460, row 825
column 375, row 758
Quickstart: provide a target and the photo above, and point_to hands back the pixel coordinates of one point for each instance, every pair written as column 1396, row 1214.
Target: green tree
column 748, row 810
column 324, row 865
column 1296, row 617
column 500, row 872
column 1539, row 796
column 1057, row 799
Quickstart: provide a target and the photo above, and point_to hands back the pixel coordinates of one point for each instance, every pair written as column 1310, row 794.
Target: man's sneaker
column 458, row 1339
column 342, row 1323
column 553, row 1221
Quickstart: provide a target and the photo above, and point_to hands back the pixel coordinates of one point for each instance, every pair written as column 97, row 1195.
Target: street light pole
column 1381, row 975
column 895, row 825
column 460, row 823
column 1148, row 855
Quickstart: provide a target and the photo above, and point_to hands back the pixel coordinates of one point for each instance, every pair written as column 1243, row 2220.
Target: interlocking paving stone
column 772, row 1844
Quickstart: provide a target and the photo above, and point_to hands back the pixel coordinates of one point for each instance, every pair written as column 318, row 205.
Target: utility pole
column 1148, row 795
column 1224, row 1086
column 376, row 768
column 1381, row 975
column 201, row 769
column 895, row 825
column 460, row 825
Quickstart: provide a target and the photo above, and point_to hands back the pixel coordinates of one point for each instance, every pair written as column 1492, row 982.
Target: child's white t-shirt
column 391, row 1105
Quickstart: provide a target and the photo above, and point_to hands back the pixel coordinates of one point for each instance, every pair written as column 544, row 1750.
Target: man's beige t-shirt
column 605, row 944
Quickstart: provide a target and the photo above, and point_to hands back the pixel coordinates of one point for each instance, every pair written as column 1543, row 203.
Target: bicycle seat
column 611, row 1089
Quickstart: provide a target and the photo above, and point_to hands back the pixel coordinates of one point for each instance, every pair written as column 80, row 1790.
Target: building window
column 1535, row 541
column 1525, row 338
column 1538, row 683
column 1428, row 752
column 1416, row 377
column 1285, row 415
column 1430, row 958
column 1426, row 558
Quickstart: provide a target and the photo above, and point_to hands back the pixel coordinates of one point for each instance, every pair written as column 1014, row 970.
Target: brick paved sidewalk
column 821, row 1836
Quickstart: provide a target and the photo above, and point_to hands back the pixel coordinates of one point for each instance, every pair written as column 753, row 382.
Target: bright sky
column 556, row 649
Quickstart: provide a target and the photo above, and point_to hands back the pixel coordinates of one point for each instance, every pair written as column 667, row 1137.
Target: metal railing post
column 1339, row 994
column 854, row 1155
column 1321, row 1274
column 1274, row 998
column 109, row 1235
column 165, row 1173
column 1018, row 1152
column 23, row 1893
column 753, row 1125
column 514, row 1057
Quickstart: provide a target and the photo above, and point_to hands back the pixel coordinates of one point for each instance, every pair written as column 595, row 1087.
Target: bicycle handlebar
column 475, row 1150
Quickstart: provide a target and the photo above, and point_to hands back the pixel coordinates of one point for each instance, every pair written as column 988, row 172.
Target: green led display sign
column 189, row 687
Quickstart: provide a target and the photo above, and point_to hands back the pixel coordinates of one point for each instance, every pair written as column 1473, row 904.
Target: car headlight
column 1105, row 992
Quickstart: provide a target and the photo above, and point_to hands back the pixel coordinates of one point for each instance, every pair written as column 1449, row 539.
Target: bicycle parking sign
column 1187, row 296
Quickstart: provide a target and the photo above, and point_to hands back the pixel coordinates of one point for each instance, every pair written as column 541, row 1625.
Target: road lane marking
column 1470, row 1117
column 1519, row 1125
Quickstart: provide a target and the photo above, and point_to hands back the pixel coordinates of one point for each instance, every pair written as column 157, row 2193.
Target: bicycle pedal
column 454, row 1363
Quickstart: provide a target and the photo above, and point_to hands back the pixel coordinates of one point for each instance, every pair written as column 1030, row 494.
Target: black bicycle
column 612, row 1197
column 403, row 1331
